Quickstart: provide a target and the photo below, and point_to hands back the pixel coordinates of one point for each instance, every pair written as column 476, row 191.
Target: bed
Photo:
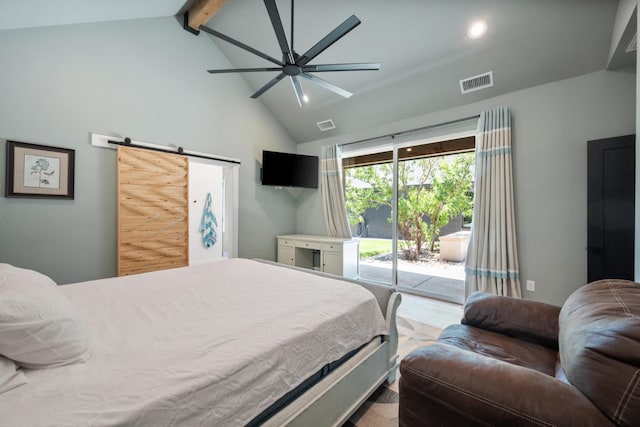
column 233, row 342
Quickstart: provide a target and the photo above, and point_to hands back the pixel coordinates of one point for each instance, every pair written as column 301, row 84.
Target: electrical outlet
column 531, row 285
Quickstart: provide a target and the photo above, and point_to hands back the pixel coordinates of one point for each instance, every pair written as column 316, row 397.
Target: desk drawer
column 286, row 242
column 333, row 247
column 308, row 245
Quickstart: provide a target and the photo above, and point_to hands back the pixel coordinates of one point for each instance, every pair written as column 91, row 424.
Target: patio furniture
column 453, row 247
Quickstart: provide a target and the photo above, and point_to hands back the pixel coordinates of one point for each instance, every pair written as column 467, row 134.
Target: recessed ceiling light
column 305, row 98
column 477, row 29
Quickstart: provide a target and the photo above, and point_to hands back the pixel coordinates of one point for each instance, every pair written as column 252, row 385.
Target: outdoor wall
column 376, row 224
column 144, row 79
column 551, row 126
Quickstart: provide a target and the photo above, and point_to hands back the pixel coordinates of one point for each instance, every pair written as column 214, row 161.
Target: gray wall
column 144, row 79
column 637, row 234
column 551, row 126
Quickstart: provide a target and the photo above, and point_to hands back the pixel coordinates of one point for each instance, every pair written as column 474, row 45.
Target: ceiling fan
column 293, row 65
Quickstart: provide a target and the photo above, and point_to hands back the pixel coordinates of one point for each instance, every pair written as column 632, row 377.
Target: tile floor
column 420, row 321
column 429, row 311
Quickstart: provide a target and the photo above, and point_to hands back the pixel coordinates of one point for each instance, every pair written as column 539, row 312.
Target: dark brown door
column 611, row 207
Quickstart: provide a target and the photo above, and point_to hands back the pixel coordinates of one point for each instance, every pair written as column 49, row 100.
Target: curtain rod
column 127, row 143
column 393, row 135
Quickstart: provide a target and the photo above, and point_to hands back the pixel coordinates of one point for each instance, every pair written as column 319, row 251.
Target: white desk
column 333, row 254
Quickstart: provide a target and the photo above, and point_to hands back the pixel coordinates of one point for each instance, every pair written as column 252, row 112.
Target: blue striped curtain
column 492, row 258
column 334, row 206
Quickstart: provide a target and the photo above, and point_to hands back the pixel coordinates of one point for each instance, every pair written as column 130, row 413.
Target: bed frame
column 337, row 396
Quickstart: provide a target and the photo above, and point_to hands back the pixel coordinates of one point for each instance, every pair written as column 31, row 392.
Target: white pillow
column 10, row 376
column 39, row 326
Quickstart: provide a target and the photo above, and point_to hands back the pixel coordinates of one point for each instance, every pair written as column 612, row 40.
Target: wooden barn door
column 153, row 211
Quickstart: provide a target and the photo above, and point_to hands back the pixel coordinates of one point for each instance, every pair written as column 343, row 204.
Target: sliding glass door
column 369, row 199
column 411, row 209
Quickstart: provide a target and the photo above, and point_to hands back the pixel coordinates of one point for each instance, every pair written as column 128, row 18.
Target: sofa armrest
column 521, row 318
column 444, row 385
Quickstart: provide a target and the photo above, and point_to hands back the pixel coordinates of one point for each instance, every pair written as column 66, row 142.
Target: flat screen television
column 289, row 170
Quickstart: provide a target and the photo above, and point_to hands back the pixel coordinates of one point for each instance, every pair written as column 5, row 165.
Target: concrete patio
column 448, row 288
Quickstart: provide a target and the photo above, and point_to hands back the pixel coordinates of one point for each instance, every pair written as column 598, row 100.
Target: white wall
column 551, row 126
column 144, row 79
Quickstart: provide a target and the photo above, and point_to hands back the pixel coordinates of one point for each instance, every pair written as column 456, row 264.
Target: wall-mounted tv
column 289, row 170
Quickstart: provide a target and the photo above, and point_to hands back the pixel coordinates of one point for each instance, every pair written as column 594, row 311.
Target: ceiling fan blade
column 297, row 88
column 240, row 45
column 349, row 24
column 292, row 32
column 325, row 84
column 269, row 84
column 369, row 66
column 276, row 22
column 243, row 70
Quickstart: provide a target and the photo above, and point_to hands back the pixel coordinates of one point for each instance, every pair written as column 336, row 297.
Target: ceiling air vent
column 326, row 125
column 478, row 82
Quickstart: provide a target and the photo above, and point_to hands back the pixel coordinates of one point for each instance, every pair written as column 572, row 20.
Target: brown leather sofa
column 516, row 362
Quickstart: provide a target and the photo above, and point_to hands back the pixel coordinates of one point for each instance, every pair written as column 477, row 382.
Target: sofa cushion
column 599, row 344
column 502, row 347
column 520, row 318
column 442, row 385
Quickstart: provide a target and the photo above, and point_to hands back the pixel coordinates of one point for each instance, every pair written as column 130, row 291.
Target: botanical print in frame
column 39, row 171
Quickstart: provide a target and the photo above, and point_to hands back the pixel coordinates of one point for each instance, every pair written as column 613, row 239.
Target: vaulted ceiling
column 422, row 46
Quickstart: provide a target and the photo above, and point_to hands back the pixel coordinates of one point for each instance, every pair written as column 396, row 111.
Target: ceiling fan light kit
column 292, row 65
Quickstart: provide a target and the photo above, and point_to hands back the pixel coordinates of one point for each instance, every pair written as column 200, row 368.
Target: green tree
column 367, row 187
column 438, row 188
column 414, row 177
column 450, row 194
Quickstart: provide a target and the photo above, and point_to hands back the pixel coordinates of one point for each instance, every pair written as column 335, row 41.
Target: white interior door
column 205, row 178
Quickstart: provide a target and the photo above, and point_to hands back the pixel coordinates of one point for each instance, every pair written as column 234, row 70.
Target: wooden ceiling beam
column 201, row 12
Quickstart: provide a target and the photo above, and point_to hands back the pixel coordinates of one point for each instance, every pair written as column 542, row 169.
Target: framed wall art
column 39, row 171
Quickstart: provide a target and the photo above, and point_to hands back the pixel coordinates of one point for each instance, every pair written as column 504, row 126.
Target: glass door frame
column 395, row 148
column 394, row 220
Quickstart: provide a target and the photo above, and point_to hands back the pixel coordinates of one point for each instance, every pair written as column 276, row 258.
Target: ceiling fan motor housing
column 292, row 70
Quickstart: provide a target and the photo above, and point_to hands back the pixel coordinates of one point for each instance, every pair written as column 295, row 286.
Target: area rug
column 381, row 409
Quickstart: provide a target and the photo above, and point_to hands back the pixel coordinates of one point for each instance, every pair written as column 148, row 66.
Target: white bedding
column 212, row 344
